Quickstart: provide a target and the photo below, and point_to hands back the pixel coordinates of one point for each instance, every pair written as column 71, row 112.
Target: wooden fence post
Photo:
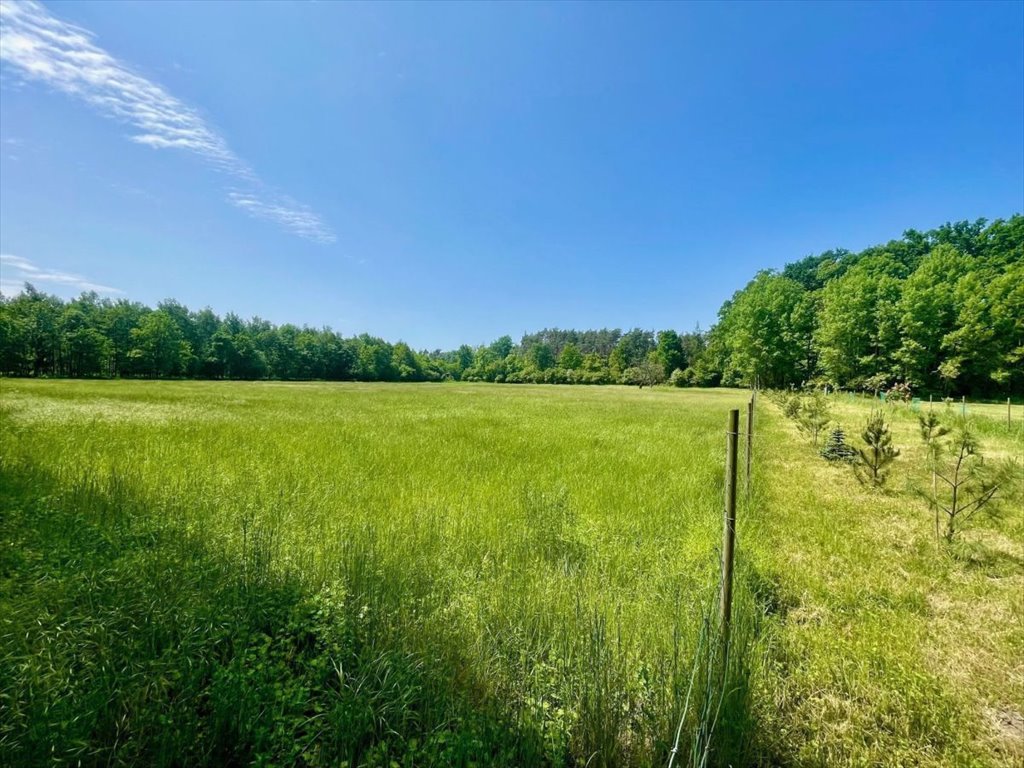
column 963, row 405
column 729, row 530
column 1009, row 423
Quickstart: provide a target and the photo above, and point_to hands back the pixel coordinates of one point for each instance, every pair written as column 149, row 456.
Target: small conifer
column 871, row 464
column 836, row 448
column 814, row 416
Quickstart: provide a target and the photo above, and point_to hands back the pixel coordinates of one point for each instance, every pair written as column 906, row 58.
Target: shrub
column 632, row 376
column 899, row 393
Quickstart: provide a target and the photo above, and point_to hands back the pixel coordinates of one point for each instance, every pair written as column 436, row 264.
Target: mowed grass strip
column 889, row 647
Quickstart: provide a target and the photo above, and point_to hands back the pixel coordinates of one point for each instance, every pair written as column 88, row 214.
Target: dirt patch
column 1008, row 731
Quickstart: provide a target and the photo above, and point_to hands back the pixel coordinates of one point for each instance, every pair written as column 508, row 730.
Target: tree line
column 90, row 336
column 938, row 311
column 941, row 311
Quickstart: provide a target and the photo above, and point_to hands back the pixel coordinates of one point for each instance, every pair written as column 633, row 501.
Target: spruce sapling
column 836, row 448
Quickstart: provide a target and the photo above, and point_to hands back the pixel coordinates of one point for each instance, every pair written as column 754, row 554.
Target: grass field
column 210, row 573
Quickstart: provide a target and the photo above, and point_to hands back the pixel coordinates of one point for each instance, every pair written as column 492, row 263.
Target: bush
column 899, row 393
column 631, row 376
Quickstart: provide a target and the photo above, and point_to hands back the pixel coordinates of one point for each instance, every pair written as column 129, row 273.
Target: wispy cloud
column 15, row 271
column 289, row 214
column 43, row 48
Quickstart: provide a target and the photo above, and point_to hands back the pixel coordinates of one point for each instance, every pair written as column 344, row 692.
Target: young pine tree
column 932, row 432
column 814, row 416
column 791, row 404
column 969, row 484
column 871, row 464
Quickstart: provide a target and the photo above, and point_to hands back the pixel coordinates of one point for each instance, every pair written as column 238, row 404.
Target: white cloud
column 45, row 49
column 289, row 214
column 15, row 271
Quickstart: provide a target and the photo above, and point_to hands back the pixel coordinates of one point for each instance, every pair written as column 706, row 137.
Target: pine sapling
column 932, row 432
column 871, row 464
column 814, row 416
column 970, row 483
column 791, row 405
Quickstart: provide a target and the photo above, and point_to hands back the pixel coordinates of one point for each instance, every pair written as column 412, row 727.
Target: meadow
column 469, row 574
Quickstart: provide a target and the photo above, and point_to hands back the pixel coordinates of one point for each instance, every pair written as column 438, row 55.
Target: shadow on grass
column 975, row 555
column 126, row 641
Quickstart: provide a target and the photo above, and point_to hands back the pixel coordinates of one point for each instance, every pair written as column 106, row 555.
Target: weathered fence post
column 729, row 530
column 750, row 440
column 963, row 405
column 1009, row 423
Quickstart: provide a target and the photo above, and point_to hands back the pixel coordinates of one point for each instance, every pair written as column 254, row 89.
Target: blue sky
column 451, row 173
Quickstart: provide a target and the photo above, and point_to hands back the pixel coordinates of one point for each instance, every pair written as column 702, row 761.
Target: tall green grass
column 366, row 575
